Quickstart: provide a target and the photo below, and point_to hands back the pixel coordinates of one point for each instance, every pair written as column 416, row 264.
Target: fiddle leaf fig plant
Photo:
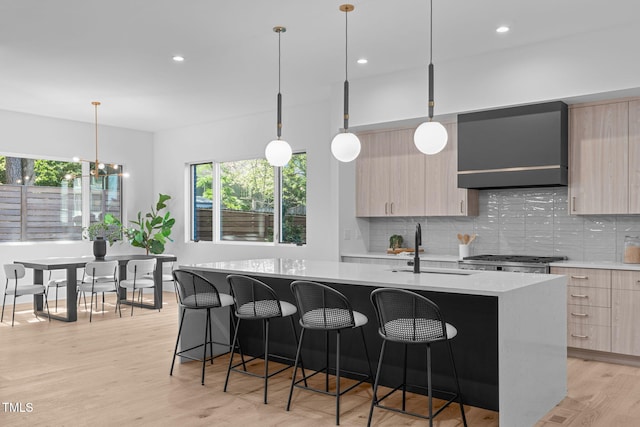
column 151, row 230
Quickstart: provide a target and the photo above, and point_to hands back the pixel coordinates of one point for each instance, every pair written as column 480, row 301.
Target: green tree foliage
column 50, row 173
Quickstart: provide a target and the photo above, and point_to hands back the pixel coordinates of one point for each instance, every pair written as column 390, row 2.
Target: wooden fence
column 39, row 213
column 239, row 225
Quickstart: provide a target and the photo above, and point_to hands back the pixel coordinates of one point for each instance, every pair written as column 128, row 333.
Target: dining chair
column 141, row 273
column 100, row 277
column 16, row 272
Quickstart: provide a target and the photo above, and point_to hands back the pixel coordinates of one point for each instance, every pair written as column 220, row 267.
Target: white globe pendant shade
column 430, row 137
column 278, row 152
column 345, row 146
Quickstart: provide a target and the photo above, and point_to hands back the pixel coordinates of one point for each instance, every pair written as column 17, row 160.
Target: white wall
column 304, row 127
column 35, row 136
column 603, row 65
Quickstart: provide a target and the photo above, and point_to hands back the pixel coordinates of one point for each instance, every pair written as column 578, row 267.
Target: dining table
column 72, row 264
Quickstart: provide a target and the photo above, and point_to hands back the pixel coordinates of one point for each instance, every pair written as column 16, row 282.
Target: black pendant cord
column 431, row 102
column 279, row 124
column 346, row 71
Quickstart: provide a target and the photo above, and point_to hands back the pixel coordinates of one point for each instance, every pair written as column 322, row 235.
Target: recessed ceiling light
column 502, row 29
column 362, row 61
column 178, row 58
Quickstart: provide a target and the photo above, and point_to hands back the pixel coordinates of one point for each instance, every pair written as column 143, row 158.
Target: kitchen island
column 511, row 345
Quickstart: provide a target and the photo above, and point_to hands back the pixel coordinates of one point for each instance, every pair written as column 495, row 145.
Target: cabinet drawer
column 626, row 280
column 590, row 337
column 587, row 315
column 596, row 297
column 590, row 277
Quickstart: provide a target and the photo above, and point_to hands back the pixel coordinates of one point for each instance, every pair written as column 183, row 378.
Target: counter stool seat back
column 408, row 318
column 13, row 273
column 323, row 308
column 255, row 300
column 196, row 292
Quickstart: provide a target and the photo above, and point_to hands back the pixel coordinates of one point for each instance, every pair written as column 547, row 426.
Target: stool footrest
column 261, row 357
column 377, row 404
column 325, row 369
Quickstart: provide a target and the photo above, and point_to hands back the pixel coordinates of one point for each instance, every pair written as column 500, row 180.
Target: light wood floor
column 115, row 371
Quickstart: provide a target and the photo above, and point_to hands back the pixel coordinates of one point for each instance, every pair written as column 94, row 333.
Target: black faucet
column 416, row 253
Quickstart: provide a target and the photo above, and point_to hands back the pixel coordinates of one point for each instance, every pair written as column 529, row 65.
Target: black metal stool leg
column 210, row 335
column 235, row 338
column 404, row 380
column 204, row 346
column 374, row 399
column 232, row 348
column 295, row 369
column 366, row 352
column 295, row 334
column 455, row 375
column 326, row 359
column 266, row 358
column 429, row 385
column 338, row 377
column 175, row 350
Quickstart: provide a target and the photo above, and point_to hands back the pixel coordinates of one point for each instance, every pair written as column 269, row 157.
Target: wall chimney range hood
column 523, row 146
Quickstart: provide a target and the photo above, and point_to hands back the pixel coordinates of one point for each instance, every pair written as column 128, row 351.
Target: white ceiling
column 58, row 56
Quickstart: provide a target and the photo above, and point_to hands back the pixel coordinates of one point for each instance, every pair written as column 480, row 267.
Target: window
column 247, row 200
column 42, row 200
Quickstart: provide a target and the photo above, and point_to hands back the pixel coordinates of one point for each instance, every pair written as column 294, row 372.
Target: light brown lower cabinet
column 603, row 309
column 625, row 322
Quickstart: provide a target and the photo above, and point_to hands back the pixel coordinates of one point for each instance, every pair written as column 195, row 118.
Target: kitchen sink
column 435, row 271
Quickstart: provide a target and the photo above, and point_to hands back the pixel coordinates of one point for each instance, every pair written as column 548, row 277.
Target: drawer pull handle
column 580, row 336
column 579, row 296
column 580, row 277
column 580, row 314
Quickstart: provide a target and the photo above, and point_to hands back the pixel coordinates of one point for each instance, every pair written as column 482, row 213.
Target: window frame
column 85, row 195
column 278, row 222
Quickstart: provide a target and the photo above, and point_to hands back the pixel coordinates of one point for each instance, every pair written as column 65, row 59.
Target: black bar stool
column 195, row 292
column 323, row 308
column 405, row 317
column 255, row 300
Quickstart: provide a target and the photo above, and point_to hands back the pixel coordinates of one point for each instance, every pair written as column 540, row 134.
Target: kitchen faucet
column 416, row 253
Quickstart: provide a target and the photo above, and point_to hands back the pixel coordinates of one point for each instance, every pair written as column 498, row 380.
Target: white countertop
column 404, row 255
column 435, row 279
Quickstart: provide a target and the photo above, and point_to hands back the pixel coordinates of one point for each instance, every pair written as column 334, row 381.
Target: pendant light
column 278, row 152
column 430, row 137
column 99, row 168
column 345, row 145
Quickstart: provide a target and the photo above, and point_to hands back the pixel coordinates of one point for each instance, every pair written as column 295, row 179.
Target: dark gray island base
column 506, row 361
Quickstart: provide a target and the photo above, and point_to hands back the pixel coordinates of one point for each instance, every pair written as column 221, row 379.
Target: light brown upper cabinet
column 442, row 195
column 394, row 179
column 604, row 151
column 389, row 175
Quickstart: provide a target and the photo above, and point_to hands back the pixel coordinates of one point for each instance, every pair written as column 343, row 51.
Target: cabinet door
column 442, row 195
column 379, row 177
column 634, row 157
column 598, row 168
column 363, row 173
column 625, row 316
column 407, row 175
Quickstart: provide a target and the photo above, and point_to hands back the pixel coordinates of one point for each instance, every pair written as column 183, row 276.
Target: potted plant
column 152, row 230
column 100, row 233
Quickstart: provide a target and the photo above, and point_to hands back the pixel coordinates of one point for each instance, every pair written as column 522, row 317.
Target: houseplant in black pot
column 100, row 233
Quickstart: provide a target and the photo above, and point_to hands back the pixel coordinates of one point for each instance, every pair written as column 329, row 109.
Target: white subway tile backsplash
column 517, row 221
